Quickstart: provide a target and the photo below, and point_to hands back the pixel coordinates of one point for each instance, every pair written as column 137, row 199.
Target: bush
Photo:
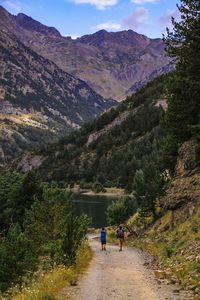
column 169, row 250
column 120, row 210
column 98, row 187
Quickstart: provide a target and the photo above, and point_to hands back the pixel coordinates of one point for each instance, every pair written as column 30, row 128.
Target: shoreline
column 108, row 194
column 105, row 194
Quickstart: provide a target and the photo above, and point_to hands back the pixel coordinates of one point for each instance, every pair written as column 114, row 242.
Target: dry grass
column 48, row 286
column 176, row 249
column 114, row 190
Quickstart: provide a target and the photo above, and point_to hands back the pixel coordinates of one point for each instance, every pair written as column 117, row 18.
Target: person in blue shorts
column 103, row 239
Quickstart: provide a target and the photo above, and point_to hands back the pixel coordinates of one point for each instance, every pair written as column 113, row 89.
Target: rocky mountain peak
column 128, row 38
column 30, row 24
column 96, row 39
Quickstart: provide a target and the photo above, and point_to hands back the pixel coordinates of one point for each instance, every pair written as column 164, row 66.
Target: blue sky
column 78, row 17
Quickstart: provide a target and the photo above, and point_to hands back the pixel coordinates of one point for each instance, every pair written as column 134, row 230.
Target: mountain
column 110, row 148
column 114, row 64
column 33, row 25
column 41, row 95
column 38, row 101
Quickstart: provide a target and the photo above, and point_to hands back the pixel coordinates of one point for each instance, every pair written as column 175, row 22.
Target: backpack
column 120, row 233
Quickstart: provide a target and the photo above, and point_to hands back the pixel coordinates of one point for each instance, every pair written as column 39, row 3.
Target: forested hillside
column 110, row 149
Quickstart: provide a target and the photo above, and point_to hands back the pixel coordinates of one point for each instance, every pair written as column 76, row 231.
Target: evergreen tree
column 75, row 233
column 148, row 185
column 18, row 257
column 183, row 44
column 49, row 234
column 17, row 193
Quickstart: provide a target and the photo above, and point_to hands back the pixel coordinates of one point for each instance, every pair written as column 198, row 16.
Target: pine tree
column 183, row 44
column 18, row 257
column 148, row 185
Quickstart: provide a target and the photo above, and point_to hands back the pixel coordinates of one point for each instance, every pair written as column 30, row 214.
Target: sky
column 79, row 17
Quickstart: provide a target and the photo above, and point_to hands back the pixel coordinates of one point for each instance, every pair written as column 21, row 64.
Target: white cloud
column 143, row 1
column 165, row 20
column 100, row 4
column 137, row 19
column 108, row 26
column 14, row 6
column 74, row 37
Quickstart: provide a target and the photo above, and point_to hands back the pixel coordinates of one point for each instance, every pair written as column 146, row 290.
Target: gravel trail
column 115, row 275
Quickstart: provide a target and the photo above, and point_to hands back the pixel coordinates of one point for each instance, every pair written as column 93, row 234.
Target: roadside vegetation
column 39, row 230
column 49, row 285
column 176, row 250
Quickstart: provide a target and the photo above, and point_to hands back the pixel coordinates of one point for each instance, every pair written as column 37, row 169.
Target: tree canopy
column 183, row 44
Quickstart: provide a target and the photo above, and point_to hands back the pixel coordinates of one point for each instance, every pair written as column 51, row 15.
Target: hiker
column 120, row 236
column 103, row 239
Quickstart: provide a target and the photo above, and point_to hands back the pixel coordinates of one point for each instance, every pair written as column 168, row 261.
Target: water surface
column 94, row 206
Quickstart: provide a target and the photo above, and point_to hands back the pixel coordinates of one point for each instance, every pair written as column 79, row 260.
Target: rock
column 73, row 282
column 173, row 280
column 192, row 287
column 160, row 274
column 187, row 158
column 158, row 281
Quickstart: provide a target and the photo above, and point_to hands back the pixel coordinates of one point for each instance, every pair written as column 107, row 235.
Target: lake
column 94, row 206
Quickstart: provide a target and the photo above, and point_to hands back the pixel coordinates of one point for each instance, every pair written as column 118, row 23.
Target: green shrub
column 98, row 187
column 120, row 210
column 169, row 250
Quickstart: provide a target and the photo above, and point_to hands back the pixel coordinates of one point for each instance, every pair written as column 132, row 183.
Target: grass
column 48, row 286
column 111, row 235
column 176, row 249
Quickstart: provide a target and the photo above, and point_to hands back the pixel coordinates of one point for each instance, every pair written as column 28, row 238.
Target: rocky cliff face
column 178, row 229
column 113, row 64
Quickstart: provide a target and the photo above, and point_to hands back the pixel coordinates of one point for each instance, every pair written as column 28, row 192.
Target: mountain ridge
column 109, row 62
column 38, row 101
column 33, row 25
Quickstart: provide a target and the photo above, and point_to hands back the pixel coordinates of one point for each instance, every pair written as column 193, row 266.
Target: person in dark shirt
column 103, row 239
column 120, row 236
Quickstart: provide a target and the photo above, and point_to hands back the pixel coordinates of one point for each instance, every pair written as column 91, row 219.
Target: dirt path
column 115, row 275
